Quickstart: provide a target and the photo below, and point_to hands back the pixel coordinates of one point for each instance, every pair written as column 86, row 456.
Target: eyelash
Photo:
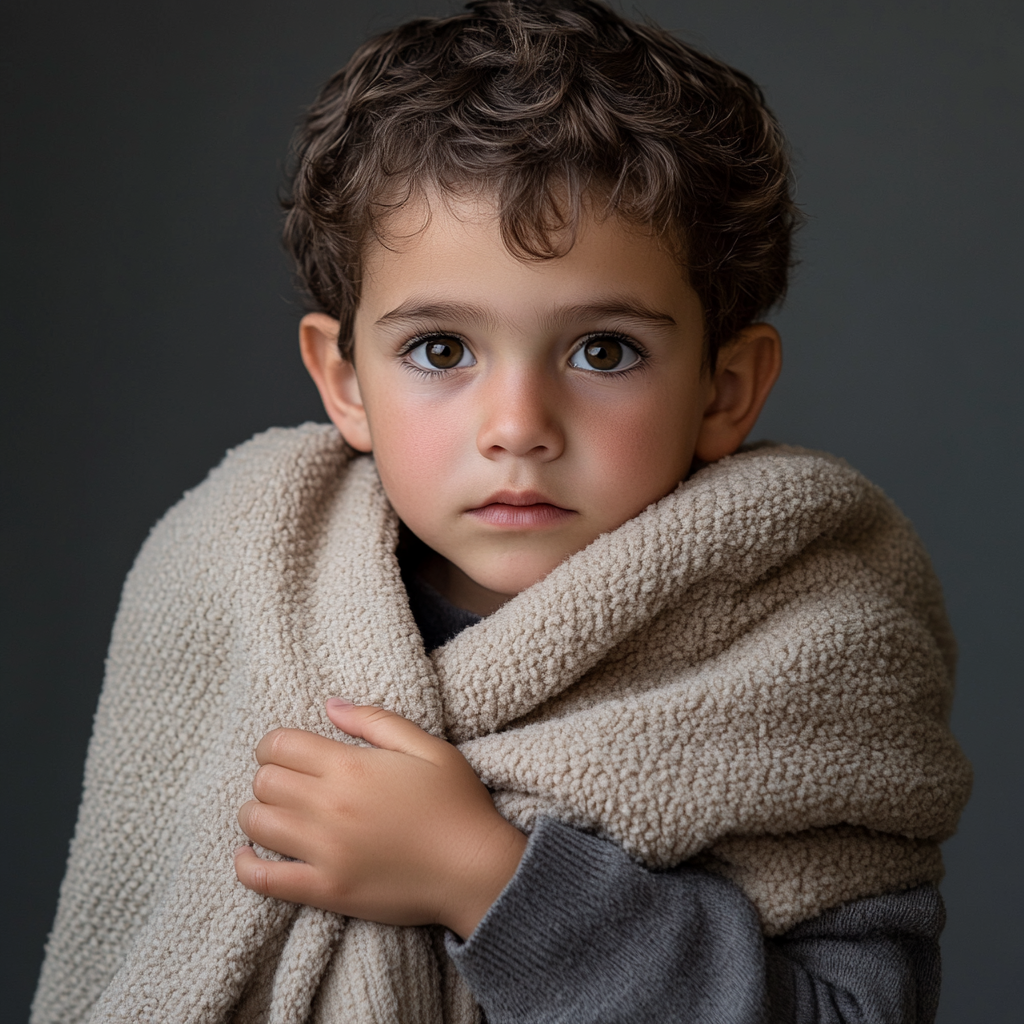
column 420, row 339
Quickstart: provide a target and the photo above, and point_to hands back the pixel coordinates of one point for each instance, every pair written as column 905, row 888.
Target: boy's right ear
column 335, row 379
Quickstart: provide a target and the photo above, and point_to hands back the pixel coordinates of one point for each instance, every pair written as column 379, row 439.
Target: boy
column 539, row 238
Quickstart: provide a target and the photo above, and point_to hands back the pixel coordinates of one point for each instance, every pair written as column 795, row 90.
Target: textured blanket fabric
column 755, row 673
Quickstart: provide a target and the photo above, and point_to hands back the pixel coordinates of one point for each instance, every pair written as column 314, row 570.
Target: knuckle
column 278, row 742
column 243, row 817
column 255, row 818
column 263, row 780
column 261, row 880
column 375, row 714
column 451, row 758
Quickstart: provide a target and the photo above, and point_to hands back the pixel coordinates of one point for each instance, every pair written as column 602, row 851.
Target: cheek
column 416, row 447
column 639, row 451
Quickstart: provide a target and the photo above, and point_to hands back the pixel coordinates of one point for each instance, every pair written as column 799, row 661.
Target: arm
column 401, row 833
column 565, row 928
column 141, row 759
column 582, row 934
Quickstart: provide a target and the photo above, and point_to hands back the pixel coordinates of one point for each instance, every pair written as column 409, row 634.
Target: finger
column 298, row 750
column 296, row 883
column 283, row 787
column 383, row 729
column 274, row 828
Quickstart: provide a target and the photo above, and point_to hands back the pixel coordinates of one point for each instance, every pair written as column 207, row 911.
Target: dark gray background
column 150, row 324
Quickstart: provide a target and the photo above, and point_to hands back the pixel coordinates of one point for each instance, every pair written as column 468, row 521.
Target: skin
column 504, row 465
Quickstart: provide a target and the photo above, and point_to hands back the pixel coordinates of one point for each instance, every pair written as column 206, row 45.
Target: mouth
column 521, row 510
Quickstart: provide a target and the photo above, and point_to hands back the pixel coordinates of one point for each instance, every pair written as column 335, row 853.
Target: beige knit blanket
column 755, row 672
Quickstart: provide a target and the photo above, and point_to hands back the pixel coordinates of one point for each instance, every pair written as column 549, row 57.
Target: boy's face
column 517, row 410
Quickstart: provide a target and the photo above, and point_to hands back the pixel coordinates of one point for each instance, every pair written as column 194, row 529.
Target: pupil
column 444, row 354
column 604, row 355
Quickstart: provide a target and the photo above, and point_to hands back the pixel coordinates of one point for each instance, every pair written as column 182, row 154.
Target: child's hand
column 404, row 833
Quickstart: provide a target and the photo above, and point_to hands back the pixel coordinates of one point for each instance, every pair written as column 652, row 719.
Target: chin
column 511, row 580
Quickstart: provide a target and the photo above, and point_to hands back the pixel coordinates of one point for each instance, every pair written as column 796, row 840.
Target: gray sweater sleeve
column 583, row 935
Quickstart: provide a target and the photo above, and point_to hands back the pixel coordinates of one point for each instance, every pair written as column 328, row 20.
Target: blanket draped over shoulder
column 754, row 674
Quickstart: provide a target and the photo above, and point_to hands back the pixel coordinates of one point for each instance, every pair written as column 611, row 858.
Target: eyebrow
column 614, row 309
column 415, row 311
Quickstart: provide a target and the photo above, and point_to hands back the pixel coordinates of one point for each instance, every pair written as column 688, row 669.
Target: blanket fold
column 754, row 674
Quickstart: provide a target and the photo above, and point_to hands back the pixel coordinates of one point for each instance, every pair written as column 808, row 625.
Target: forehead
column 447, row 254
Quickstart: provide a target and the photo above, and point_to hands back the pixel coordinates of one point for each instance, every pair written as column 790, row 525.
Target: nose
column 520, row 418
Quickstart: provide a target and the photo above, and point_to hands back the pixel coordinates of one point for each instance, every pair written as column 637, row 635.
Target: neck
column 458, row 588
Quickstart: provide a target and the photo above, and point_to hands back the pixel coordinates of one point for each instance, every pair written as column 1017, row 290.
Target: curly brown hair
column 547, row 105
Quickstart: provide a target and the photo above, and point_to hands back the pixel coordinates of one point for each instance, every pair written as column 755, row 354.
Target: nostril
column 520, row 430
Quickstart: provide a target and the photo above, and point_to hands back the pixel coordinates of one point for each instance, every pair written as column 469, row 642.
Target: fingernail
column 340, row 702
column 244, row 846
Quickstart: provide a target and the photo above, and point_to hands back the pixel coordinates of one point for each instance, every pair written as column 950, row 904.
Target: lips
column 522, row 510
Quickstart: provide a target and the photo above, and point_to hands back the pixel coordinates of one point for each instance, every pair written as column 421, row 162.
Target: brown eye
column 604, row 353
column 444, row 354
column 441, row 354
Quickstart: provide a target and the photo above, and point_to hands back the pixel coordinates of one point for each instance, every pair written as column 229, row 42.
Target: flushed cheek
column 633, row 458
column 417, row 451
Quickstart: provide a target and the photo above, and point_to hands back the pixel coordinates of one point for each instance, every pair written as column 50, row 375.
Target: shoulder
column 775, row 504
column 790, row 477
column 264, row 469
column 280, row 468
column 269, row 487
column 767, row 504
column 790, row 498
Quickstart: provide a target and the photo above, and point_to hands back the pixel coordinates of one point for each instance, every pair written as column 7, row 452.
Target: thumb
column 382, row 728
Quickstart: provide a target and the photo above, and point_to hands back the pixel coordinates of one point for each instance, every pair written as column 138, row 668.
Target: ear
column 747, row 368
column 335, row 379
